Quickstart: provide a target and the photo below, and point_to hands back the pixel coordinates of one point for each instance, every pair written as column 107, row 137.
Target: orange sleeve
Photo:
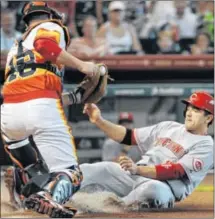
column 48, row 34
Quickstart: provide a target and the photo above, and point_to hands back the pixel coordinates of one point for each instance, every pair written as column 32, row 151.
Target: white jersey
column 169, row 141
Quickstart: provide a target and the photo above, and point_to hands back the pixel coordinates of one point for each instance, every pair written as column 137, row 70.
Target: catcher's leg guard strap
column 36, row 184
column 22, row 153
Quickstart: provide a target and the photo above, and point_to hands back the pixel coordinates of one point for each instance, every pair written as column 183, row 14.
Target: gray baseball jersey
column 169, row 141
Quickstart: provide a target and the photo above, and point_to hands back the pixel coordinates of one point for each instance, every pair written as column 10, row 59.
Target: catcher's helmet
column 201, row 100
column 39, row 6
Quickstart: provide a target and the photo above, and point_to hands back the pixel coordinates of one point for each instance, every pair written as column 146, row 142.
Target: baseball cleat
column 42, row 203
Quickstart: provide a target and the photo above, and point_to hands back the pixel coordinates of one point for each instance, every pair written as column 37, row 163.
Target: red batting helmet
column 201, row 100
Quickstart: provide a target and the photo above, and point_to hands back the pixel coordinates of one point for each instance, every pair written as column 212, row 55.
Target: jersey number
column 27, row 58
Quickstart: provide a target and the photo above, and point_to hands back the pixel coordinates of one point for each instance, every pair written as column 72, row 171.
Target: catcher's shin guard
column 55, row 193
column 27, row 164
column 25, row 157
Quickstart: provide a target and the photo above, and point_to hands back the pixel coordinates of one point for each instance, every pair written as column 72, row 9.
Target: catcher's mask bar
column 39, row 6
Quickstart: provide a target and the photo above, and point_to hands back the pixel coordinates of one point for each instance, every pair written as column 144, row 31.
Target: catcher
column 45, row 177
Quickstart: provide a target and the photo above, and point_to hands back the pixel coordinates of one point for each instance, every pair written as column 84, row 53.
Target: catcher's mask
column 39, row 6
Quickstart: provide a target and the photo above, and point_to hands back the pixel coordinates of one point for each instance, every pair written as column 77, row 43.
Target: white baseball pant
column 45, row 120
column 131, row 188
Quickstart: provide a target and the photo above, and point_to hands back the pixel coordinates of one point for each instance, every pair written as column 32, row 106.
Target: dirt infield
column 198, row 205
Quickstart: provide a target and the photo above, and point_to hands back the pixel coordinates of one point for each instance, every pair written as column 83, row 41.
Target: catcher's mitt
column 93, row 88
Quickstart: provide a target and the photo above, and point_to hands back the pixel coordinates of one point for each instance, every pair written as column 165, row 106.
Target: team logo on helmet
column 193, row 97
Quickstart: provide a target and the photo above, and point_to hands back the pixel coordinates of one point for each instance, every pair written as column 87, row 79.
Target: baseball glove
column 93, row 88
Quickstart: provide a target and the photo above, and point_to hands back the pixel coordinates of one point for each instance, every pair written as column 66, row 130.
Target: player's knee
column 96, row 169
column 112, row 168
column 97, row 173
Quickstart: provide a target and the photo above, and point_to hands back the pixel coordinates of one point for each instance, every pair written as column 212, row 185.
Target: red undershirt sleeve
column 169, row 171
column 47, row 48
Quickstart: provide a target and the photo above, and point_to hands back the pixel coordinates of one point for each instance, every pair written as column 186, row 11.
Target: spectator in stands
column 202, row 45
column 67, row 8
column 120, row 36
column 166, row 44
column 157, row 13
column 3, row 5
column 184, row 19
column 8, row 31
column 205, row 11
column 12, row 5
column 205, row 6
column 112, row 150
column 134, row 9
column 89, row 45
column 96, row 8
column 101, row 11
